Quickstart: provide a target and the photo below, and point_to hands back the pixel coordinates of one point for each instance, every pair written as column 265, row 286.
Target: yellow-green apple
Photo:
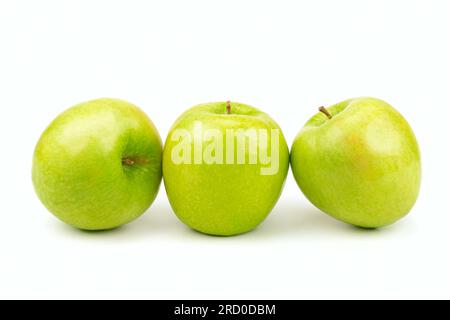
column 98, row 164
column 359, row 162
column 224, row 167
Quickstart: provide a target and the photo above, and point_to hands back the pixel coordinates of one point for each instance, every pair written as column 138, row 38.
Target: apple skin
column 223, row 199
column 98, row 164
column 362, row 166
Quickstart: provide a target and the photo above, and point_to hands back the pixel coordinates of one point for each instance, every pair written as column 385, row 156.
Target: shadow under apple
column 288, row 219
column 158, row 220
column 297, row 220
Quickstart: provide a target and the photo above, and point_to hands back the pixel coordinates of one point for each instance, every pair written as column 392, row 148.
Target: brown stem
column 325, row 111
column 134, row 160
column 228, row 107
column 127, row 161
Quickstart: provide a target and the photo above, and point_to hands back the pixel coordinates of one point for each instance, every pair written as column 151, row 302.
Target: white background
column 284, row 57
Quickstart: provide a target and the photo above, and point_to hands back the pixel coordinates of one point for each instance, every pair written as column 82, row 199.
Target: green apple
column 224, row 167
column 98, row 164
column 359, row 162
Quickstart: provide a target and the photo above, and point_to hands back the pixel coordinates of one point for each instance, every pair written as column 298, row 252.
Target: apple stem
column 228, row 107
column 325, row 112
column 127, row 161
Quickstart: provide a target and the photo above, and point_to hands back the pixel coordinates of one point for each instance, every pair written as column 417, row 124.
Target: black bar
column 222, row 309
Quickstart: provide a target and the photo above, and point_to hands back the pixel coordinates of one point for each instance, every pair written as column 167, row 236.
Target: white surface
column 284, row 57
